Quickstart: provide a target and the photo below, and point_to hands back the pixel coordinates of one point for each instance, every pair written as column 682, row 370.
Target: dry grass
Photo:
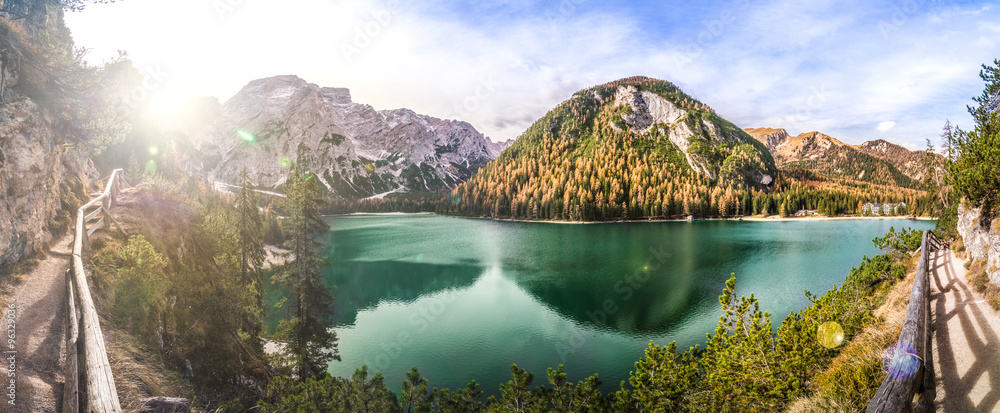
column 139, row 370
column 13, row 275
column 855, row 374
column 141, row 373
column 959, row 248
column 980, row 282
column 173, row 217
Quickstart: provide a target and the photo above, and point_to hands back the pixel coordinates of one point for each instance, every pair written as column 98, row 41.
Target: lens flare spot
column 830, row 334
column 154, row 150
column 247, row 136
column 286, row 162
column 900, row 361
column 151, row 166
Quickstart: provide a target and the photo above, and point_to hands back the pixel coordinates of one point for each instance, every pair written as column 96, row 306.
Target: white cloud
column 824, row 65
column 886, row 126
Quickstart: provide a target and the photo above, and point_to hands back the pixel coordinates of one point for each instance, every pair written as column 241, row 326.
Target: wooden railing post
column 71, row 373
column 101, row 395
column 909, row 371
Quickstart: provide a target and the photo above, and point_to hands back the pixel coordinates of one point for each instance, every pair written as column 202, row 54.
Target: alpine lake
column 463, row 299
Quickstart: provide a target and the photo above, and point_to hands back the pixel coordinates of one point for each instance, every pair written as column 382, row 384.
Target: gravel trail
column 966, row 340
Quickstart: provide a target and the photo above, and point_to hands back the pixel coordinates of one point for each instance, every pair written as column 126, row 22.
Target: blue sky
column 856, row 70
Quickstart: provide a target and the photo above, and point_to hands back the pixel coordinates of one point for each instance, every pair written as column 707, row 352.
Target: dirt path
column 966, row 341
column 39, row 330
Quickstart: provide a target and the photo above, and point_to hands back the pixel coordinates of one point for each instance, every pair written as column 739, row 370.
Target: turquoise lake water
column 462, row 299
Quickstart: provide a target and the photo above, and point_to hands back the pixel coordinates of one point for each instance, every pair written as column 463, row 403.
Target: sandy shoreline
column 774, row 218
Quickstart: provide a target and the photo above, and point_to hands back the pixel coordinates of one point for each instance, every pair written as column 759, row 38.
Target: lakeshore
column 773, row 218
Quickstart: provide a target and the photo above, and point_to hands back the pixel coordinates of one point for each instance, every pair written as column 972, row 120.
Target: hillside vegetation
column 595, row 157
column 641, row 148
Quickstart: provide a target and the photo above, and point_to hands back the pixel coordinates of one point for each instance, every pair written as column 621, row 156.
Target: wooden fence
column 85, row 337
column 909, row 384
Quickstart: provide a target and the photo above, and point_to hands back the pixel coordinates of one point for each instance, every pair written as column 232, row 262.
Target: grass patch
column 958, row 246
column 14, row 273
column 141, row 373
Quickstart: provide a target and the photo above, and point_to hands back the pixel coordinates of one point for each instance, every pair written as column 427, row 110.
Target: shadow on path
column 965, row 343
column 40, row 334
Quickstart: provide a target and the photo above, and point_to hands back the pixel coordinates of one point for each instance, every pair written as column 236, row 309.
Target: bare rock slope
column 355, row 150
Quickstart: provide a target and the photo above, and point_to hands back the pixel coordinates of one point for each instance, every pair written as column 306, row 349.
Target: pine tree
column 662, row 381
column 309, row 341
column 251, row 250
column 973, row 173
column 415, row 396
column 739, row 360
column 133, row 172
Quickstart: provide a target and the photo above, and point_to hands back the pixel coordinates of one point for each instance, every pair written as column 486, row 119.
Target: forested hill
column 633, row 148
column 876, row 162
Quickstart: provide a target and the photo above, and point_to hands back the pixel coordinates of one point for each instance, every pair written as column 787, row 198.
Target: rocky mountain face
column 877, row 162
column 652, row 109
column 355, row 150
column 38, row 174
column 788, row 149
column 495, row 148
column 908, row 162
column 646, row 112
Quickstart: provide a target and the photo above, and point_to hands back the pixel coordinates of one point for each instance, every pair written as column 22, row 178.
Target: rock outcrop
column 35, row 164
column 786, row 148
column 648, row 112
column 981, row 238
column 354, row 150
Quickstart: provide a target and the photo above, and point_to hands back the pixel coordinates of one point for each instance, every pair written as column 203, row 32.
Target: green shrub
column 272, row 232
column 947, row 223
column 895, row 244
column 136, row 278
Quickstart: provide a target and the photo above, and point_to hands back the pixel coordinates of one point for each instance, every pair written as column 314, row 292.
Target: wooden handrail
column 71, row 372
column 910, row 371
column 101, row 394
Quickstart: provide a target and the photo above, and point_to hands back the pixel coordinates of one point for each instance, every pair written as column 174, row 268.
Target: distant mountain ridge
column 878, row 161
column 908, row 162
column 354, row 150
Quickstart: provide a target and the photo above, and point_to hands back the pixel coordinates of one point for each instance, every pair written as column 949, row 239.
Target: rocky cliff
column 354, row 150
column 981, row 238
column 40, row 175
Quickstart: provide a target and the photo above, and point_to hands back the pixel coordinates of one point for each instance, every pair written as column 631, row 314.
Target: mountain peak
column 881, row 145
column 354, row 150
column 770, row 137
column 877, row 161
column 277, row 81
